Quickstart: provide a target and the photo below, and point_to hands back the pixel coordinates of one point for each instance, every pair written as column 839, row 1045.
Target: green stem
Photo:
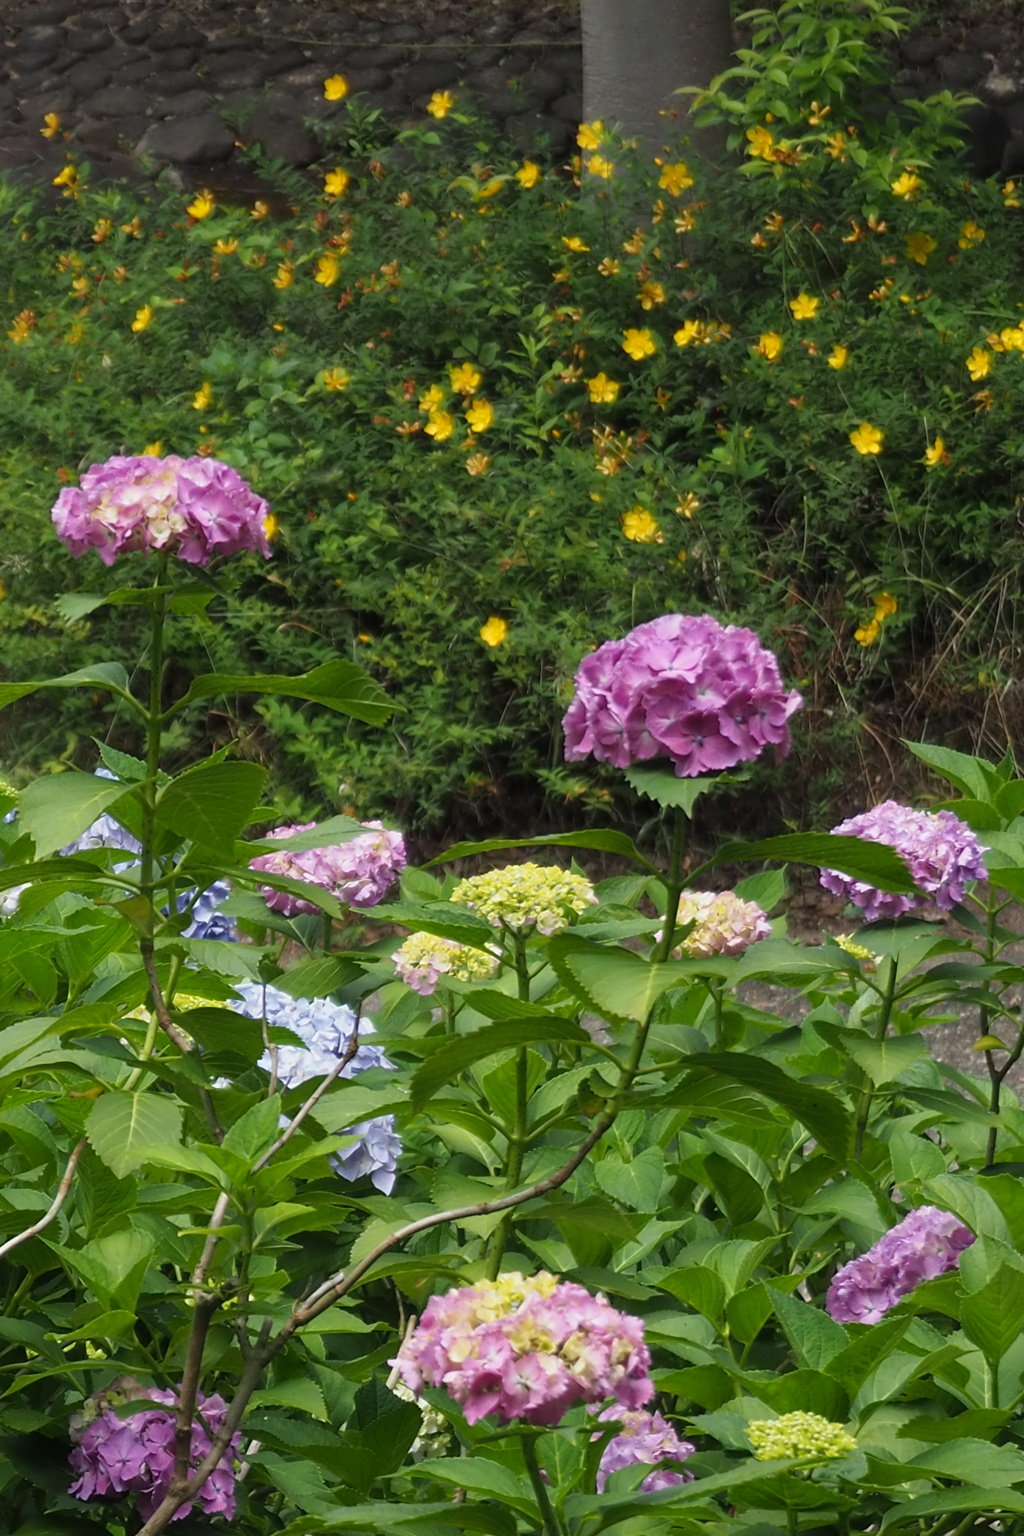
column 996, row 1074
column 552, row 1526
column 518, row 1138
column 153, row 720
column 715, row 988
column 885, row 1014
column 673, row 886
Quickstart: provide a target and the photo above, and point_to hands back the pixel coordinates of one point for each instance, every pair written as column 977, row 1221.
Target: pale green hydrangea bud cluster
column 723, row 924
column 799, row 1434
column 422, row 960
column 527, row 895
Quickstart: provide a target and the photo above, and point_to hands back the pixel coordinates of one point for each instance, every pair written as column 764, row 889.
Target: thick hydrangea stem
column 517, row 1140
column 885, row 1014
column 552, row 1526
column 673, row 886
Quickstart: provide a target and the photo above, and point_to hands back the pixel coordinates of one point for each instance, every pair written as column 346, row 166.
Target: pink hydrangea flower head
column 941, row 852
column 704, row 694
column 194, row 508
column 526, row 1348
column 423, row 959
column 925, row 1244
column 115, row 1456
column 645, row 1439
column 359, row 872
column 723, row 923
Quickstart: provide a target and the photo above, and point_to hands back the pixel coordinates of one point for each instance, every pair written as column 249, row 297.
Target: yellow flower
column 687, row 505
column 837, row 358
column 440, row 104
column 51, row 126
column 867, row 439
column 651, row 293
column 225, row 247
column 285, row 275
column 590, row 134
column 675, row 178
column 335, row 88
column 609, row 266
column 919, row 247
column 639, row 526
column 1010, row 199
column 528, row 174
column 465, row 379
column 336, row 182
column 835, row 145
column 906, row 185
column 936, row 454
column 761, row 143
column 439, row 426
column 885, row 606
column 597, row 165
column 868, row 633
column 574, row 243
column 979, row 364
column 68, row 180
column 202, row 205
column 804, row 307
column 431, row 398
column 202, row 396
column 259, row 209
column 687, row 221
column 480, row 415
column 327, row 269
column 336, row 379
column 689, row 331
column 603, row 390
column 143, row 317
column 639, row 343
column 494, row 631
column 133, row 229
column 22, row 326
column 970, row 235
column 478, row 464
column 271, row 527
column 153, row 450
column 769, row 345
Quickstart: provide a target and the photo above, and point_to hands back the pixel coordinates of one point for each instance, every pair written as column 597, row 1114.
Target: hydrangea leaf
column 56, row 810
column 121, row 1125
column 338, row 685
column 455, row 1055
column 875, row 863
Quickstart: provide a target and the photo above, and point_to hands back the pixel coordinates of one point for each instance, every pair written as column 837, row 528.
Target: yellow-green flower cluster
column 422, row 960
column 524, row 895
column 799, row 1434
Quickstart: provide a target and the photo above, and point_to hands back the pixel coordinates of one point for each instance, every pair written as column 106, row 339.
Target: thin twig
column 220, row 1210
column 350, row 1050
column 63, row 1190
column 163, row 1017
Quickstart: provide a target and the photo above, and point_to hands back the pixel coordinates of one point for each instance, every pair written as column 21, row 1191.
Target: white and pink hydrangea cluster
column 526, row 1348
column 115, row 1456
column 924, row 1245
column 940, row 850
column 193, row 508
column 705, row 695
column 423, row 960
column 359, row 872
column 645, row 1439
column 723, row 924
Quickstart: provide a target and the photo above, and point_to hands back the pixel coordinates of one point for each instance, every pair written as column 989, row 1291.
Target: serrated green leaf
column 875, row 863
column 120, row 1125
column 883, row 1060
column 600, row 841
column 211, row 804
column 993, row 1317
column 105, row 674
column 662, row 786
column 966, row 773
column 814, row 1337
column 455, row 1055
column 617, row 983
column 826, row 1117
column 338, row 685
column 56, row 810
column 446, row 919
column 636, row 1183
column 319, row 976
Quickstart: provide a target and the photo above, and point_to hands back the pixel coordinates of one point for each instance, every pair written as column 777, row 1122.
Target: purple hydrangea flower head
column 526, row 1348
column 925, row 1244
column 207, row 920
column 115, row 1456
column 647, row 1439
column 723, row 923
column 706, row 695
column 370, row 1149
column 359, row 872
column 940, row 850
column 195, row 508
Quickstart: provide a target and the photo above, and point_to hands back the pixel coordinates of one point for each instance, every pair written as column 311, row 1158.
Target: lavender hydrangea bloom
column 925, row 1244
column 195, row 508
column 647, row 1439
column 941, row 851
column 114, row 1456
column 707, row 696
column 326, row 1030
column 526, row 1348
column 359, row 872
column 207, row 920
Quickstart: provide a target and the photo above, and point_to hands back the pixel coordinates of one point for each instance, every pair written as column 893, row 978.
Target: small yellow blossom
column 603, row 390
column 431, row 398
column 335, row 88
column 687, row 221
column 1010, row 199
column 327, row 269
column 867, row 439
column 675, row 178
column 970, row 235
column 769, row 345
column 838, row 357
column 153, row 450
column 22, row 326
column 799, row 1434
column 528, row 174
column 574, row 243
column 639, row 526
column 651, row 293
column 80, row 286
column 440, row 104
column 635, row 244
column 590, row 135
column 133, row 229
column 225, row 247
column 480, row 415
column 143, row 317
column 68, row 180
column 689, row 332
column 51, row 125
column 936, row 454
column 335, row 379
column 836, row 145
column 440, row 426
column 285, row 275
column 761, row 143
column 202, row 396
column 639, row 343
column 867, row 634
column 858, row 952
column 979, row 364
column 336, row 182
column 906, row 184
column 494, row 631
column 919, row 246
column 465, row 378
column 597, row 165
column 885, row 606
column 478, row 464
column 687, row 505
column 259, row 210
column 804, row 306
column 271, row 527
column 202, row 205
column 609, row 266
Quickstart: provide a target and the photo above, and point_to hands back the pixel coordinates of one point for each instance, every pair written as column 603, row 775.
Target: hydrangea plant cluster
column 645, row 1439
column 526, row 1348
column 359, row 872
column 799, row 1434
column 925, row 1244
column 373, row 1146
column 941, row 851
column 422, row 959
column 723, row 923
column 527, row 896
column 705, row 695
column 116, row 1455
column 193, row 508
